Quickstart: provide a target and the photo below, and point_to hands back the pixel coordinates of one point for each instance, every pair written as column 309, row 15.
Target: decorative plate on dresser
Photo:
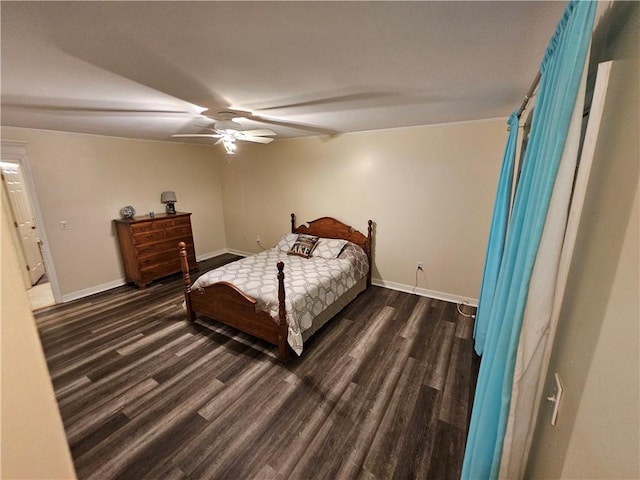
column 149, row 246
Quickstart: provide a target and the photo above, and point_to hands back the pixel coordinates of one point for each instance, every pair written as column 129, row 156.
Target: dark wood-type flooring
column 383, row 391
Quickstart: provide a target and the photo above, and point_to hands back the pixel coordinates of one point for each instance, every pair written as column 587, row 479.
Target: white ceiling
column 147, row 69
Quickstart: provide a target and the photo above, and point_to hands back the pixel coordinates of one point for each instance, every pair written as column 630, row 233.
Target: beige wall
column 87, row 179
column 429, row 190
column 32, row 442
column 596, row 350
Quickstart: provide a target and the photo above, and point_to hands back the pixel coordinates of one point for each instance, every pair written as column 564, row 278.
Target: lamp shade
column 168, row 197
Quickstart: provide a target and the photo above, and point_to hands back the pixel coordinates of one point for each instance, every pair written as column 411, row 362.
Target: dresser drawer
column 141, row 227
column 163, row 224
column 178, row 232
column 158, row 234
column 160, row 270
column 160, row 224
column 150, row 236
column 167, row 245
column 182, row 221
column 156, row 259
column 163, row 257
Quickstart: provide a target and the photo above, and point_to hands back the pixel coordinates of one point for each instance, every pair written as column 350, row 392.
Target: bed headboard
column 329, row 227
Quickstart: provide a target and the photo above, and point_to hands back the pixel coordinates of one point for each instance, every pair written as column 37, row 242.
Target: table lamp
column 169, row 198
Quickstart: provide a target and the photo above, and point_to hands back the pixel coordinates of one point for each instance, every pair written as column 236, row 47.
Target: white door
column 24, row 219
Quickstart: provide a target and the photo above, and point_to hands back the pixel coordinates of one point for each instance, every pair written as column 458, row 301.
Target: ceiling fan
column 228, row 131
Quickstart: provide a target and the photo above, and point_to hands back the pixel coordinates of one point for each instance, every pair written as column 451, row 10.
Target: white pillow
column 286, row 242
column 328, row 248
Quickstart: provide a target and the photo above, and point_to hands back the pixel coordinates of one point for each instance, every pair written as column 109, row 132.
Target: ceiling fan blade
column 311, row 102
column 273, row 121
column 260, row 132
column 249, row 138
column 194, row 135
column 91, row 110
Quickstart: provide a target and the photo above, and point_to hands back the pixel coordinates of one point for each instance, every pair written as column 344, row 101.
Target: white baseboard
column 92, row 290
column 206, row 256
column 423, row 292
column 117, row 283
column 447, row 297
column 239, row 252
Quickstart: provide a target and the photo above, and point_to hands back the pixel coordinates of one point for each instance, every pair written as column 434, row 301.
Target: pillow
column 303, row 245
column 357, row 257
column 286, row 242
column 329, row 248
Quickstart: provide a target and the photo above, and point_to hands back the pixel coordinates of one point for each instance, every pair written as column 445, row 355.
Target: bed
column 285, row 294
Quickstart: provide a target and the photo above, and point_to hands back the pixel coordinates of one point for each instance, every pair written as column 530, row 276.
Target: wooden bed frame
column 225, row 303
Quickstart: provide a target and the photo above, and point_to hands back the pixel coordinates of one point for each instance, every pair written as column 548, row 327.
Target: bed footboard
column 224, row 303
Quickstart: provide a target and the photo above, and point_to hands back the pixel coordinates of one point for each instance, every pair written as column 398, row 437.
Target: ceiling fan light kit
column 229, row 145
column 228, row 131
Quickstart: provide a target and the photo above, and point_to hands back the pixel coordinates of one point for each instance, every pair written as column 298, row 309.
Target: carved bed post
column 283, row 349
column 293, row 223
column 368, row 252
column 186, row 279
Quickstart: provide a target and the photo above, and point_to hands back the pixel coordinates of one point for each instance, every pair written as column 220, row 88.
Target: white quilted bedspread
column 311, row 284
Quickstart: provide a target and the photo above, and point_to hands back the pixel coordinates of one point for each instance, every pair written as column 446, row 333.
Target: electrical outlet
column 64, row 225
column 419, row 266
column 258, row 239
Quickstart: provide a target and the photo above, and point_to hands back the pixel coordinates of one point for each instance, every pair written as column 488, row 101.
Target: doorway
column 21, row 208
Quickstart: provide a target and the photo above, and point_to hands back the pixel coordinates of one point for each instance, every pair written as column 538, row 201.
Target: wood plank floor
column 381, row 392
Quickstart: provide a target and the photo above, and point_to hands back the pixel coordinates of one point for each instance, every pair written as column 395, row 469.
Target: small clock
column 128, row 212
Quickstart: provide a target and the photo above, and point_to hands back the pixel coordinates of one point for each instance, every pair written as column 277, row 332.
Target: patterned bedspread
column 311, row 284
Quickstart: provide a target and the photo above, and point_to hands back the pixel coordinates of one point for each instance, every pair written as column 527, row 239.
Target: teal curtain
column 497, row 236
column 560, row 74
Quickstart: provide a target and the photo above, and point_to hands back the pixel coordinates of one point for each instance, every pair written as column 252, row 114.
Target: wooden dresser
column 149, row 246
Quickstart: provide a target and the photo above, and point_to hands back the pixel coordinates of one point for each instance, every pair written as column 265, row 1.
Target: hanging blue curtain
column 561, row 71
column 497, row 236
